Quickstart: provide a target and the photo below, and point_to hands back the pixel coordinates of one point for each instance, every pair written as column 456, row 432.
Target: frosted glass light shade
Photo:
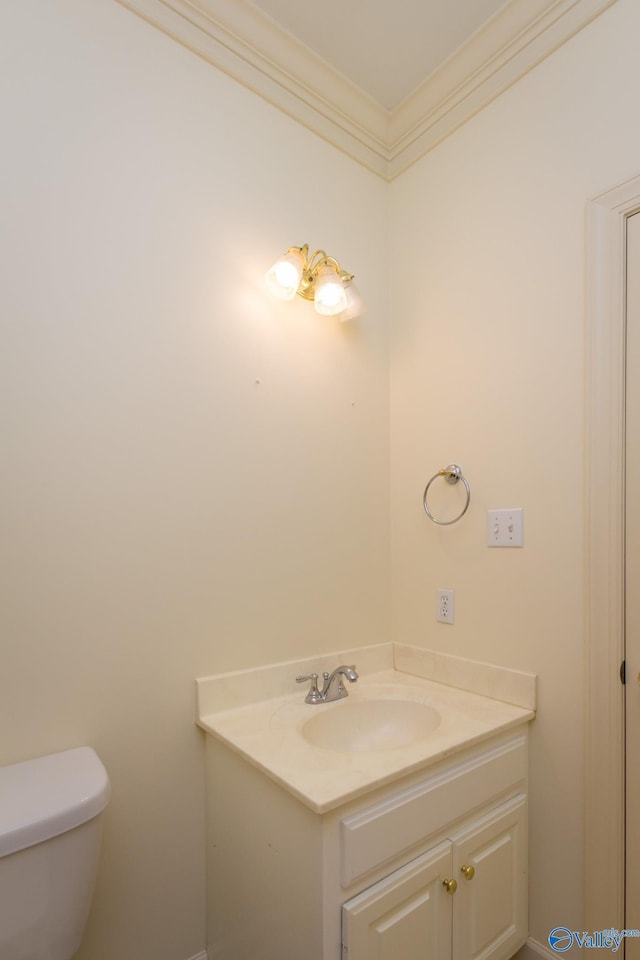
column 329, row 296
column 283, row 279
column 355, row 304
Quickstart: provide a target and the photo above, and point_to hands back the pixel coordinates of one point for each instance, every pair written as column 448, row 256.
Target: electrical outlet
column 446, row 605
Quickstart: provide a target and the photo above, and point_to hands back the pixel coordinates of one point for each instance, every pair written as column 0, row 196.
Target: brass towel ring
column 451, row 474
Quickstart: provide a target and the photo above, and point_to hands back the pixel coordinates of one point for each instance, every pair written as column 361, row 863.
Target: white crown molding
column 251, row 48
column 502, row 51
column 247, row 46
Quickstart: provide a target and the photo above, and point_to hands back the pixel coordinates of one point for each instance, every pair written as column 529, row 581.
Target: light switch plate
column 505, row 527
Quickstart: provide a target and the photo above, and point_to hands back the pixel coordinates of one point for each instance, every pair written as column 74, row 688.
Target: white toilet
column 50, row 824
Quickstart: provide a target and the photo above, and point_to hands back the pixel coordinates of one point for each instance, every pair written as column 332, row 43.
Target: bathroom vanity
column 408, row 847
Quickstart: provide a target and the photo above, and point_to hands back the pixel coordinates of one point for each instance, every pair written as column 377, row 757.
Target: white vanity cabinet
column 368, row 879
column 465, row 899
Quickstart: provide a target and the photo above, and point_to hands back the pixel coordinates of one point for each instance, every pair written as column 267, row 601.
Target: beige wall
column 163, row 515
column 488, row 370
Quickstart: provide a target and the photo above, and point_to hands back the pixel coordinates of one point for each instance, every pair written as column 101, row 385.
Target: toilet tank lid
column 42, row 798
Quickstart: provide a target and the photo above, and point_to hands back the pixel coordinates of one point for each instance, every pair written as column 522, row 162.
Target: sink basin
column 361, row 725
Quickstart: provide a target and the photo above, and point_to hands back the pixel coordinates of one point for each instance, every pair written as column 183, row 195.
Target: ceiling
column 382, row 80
column 386, row 48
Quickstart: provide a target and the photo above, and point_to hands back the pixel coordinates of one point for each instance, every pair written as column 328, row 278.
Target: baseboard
column 533, row 950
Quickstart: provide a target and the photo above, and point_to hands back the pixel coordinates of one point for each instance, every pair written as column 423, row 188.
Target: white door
column 632, row 590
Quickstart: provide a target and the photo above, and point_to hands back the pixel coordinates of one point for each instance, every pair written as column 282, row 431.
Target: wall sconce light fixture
column 317, row 277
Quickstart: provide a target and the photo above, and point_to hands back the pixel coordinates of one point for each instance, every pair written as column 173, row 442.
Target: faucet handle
column 314, row 695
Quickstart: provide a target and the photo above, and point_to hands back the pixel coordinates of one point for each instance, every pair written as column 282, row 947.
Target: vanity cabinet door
column 490, row 864
column 406, row 916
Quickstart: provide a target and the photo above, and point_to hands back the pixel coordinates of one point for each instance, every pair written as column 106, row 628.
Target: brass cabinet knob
column 450, row 886
column 469, row 872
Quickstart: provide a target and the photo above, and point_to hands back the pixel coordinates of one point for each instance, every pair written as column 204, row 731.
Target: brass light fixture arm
column 312, row 264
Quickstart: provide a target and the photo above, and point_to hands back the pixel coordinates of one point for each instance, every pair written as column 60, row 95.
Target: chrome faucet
column 333, row 687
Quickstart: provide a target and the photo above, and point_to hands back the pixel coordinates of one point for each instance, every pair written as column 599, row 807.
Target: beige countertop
column 269, row 734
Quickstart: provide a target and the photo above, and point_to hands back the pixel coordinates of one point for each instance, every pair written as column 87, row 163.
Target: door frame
column 604, row 839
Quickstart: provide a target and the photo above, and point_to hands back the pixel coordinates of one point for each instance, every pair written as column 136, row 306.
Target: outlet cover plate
column 446, row 605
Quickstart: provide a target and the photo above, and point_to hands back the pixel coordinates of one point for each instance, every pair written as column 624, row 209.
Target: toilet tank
column 50, row 825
